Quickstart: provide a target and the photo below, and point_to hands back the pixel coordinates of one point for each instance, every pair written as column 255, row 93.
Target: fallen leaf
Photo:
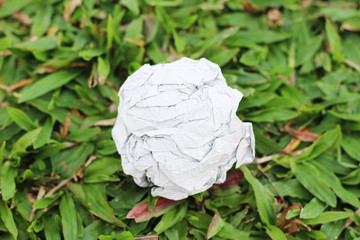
column 20, row 84
column 70, row 7
column 105, row 122
column 148, row 238
column 281, row 217
column 251, row 8
column 64, row 130
column 141, row 213
column 303, row 134
column 233, row 178
column 274, row 17
column 22, row 17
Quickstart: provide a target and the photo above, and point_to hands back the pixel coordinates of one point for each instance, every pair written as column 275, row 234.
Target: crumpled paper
column 177, row 129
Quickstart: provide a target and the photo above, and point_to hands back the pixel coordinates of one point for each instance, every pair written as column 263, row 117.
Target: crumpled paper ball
column 177, row 129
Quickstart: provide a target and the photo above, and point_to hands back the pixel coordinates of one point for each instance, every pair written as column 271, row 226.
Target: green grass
column 62, row 63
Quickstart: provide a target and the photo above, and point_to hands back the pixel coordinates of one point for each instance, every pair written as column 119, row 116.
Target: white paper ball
column 177, row 128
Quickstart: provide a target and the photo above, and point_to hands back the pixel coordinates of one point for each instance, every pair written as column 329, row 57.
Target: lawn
column 62, row 64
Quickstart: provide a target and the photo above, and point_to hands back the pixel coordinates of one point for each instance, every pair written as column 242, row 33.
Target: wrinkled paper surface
column 177, row 128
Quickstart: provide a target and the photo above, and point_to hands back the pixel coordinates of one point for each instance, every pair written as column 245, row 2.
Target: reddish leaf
column 303, row 134
column 233, row 178
column 251, row 8
column 281, row 221
column 300, row 135
column 70, row 7
column 293, row 144
column 141, row 213
column 274, row 17
column 215, row 226
column 148, row 238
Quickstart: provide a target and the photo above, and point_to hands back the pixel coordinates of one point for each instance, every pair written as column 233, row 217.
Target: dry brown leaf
column 305, row 4
column 294, row 143
column 303, row 134
column 77, row 113
column 346, row 26
column 141, row 213
column 291, row 228
column 52, row 31
column 22, row 17
column 5, row 53
column 352, row 64
column 105, row 122
column 298, row 221
column 274, row 17
column 4, row 104
column 138, row 42
column 65, row 129
column 20, row 84
column 70, row 7
column 251, row 8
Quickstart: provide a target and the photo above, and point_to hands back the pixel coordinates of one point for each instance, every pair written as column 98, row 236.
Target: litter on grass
column 177, row 129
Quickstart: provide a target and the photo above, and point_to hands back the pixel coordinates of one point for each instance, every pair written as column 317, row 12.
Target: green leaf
column 313, row 209
column 333, row 38
column 47, row 84
column 2, row 147
column 8, row 174
column 346, row 116
column 336, row 185
column 67, row 162
column 308, row 50
column 105, row 165
column 98, row 204
column 352, row 178
column 198, row 219
column 103, row 69
column 101, row 170
column 327, row 141
column 311, row 179
column 271, row 115
column 25, row 141
column 275, row 233
column 84, row 135
column 264, row 200
column 88, row 54
column 96, row 228
column 41, row 44
column 7, row 218
column 51, row 229
column 13, row 6
column 5, row 43
column 228, row 231
column 46, row 202
column 110, row 31
column 314, row 234
column 21, row 119
column 351, row 145
column 224, row 56
column 179, row 42
column 45, row 134
column 291, row 187
column 177, row 232
column 263, row 144
column 68, row 217
column 171, row 217
column 259, row 36
column 325, row 217
column 42, row 20
column 333, row 230
column 215, row 226
column 132, row 5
